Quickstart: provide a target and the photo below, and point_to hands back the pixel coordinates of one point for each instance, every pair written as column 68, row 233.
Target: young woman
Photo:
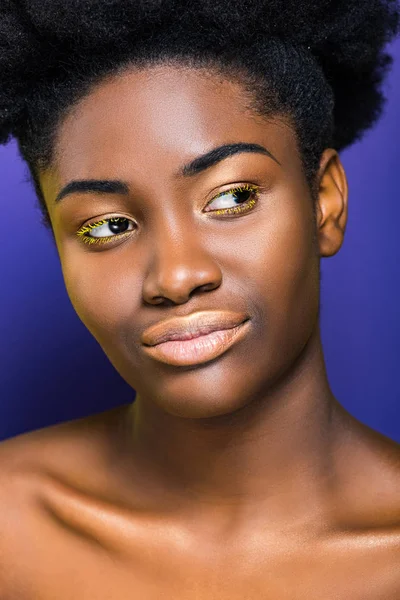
column 185, row 156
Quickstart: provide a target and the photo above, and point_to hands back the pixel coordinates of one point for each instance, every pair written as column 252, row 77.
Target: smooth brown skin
column 243, row 478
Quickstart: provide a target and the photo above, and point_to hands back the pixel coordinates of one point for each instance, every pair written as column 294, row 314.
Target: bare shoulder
column 29, row 462
column 371, row 476
column 58, row 446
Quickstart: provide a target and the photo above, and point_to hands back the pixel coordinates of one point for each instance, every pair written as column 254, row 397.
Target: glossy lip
column 198, row 350
column 192, row 326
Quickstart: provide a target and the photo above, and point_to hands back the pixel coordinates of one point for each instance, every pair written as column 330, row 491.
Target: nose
column 179, row 267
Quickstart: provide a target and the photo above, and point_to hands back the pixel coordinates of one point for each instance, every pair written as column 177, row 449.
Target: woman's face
column 176, row 257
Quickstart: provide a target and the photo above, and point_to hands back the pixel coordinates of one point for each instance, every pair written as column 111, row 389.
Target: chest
column 69, row 566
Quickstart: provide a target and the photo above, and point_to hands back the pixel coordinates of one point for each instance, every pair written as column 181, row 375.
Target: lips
column 192, row 326
column 199, row 350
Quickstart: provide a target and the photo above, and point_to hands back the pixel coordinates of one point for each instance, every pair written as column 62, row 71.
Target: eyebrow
column 205, row 161
column 194, row 167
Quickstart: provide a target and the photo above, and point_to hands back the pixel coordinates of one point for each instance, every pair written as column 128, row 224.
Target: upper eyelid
column 236, row 188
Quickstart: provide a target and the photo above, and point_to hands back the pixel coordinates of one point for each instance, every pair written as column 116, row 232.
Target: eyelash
column 245, row 207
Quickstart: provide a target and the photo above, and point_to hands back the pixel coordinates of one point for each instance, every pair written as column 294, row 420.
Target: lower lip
column 198, row 350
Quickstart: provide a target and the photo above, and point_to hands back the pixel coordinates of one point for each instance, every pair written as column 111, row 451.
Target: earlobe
column 332, row 204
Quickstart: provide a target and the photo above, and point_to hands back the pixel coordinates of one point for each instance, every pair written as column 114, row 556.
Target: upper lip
column 191, row 326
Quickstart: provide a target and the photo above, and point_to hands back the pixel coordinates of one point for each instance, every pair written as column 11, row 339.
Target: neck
column 277, row 451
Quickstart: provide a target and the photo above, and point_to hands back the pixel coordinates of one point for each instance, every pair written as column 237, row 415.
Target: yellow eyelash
column 235, row 210
column 91, row 240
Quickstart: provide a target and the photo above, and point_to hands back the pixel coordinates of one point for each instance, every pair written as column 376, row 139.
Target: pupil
column 248, row 192
column 118, row 225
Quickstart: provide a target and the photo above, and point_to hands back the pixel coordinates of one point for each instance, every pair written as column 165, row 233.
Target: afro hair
column 322, row 63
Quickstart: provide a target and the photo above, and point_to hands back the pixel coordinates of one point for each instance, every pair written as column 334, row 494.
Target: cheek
column 284, row 276
column 103, row 294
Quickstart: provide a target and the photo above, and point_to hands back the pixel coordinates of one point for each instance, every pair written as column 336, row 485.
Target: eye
column 236, row 200
column 102, row 231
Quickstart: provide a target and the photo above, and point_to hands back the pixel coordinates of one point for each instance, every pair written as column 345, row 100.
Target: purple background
column 52, row 370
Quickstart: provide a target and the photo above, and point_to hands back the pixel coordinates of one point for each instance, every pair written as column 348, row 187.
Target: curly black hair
column 321, row 64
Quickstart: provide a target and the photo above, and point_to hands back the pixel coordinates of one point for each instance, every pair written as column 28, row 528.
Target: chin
column 201, row 393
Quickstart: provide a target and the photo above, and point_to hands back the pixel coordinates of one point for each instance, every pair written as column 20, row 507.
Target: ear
column 332, row 204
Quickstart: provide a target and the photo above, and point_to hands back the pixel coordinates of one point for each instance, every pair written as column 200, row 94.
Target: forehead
column 152, row 119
